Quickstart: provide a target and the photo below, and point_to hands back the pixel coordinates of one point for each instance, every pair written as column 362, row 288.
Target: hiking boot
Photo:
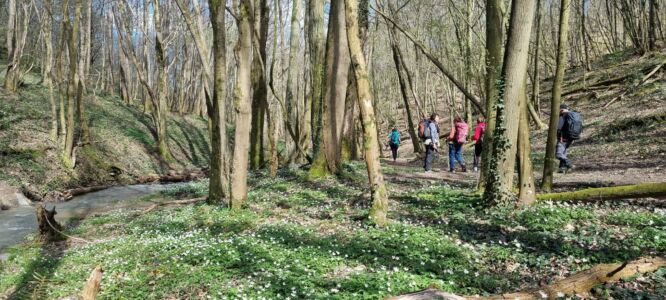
column 568, row 169
column 562, row 170
column 452, row 170
column 464, row 169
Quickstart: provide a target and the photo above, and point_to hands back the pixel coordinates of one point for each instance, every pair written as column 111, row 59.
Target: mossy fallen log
column 578, row 284
column 643, row 190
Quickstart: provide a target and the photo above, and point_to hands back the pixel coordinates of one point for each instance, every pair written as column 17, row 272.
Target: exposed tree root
column 91, row 288
column 643, row 190
column 578, row 284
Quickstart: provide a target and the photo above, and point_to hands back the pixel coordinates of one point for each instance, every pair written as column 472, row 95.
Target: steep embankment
column 624, row 114
column 122, row 148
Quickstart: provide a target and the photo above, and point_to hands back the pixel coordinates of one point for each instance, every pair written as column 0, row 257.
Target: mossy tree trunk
column 514, row 72
column 494, row 56
column 328, row 157
column 160, row 110
column 259, row 91
column 242, row 104
column 317, row 46
column 378, row 212
column 549, row 159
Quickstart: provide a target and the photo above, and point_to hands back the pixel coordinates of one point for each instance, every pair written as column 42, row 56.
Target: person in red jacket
column 479, row 132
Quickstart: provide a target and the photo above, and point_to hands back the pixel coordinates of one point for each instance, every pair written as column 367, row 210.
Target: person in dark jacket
column 431, row 143
column 564, row 141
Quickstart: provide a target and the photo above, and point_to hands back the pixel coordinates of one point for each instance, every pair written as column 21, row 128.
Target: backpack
column 424, row 129
column 395, row 138
column 461, row 132
column 574, row 126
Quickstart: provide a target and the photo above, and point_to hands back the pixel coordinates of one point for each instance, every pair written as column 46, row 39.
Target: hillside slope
column 122, row 149
column 623, row 138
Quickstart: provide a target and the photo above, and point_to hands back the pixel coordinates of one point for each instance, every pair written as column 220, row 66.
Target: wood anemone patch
column 578, row 284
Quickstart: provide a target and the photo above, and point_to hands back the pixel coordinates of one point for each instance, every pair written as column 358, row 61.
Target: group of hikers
column 569, row 129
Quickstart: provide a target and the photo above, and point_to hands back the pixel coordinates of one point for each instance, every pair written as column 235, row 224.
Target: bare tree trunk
column 376, row 178
column 527, row 190
column 260, row 93
column 242, row 105
column 652, row 25
column 514, row 72
column 397, row 59
column 291, row 98
column 549, row 159
column 46, row 27
column 160, row 111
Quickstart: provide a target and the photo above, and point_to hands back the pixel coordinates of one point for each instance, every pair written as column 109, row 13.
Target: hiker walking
column 479, row 131
column 457, row 138
column 429, row 133
column 569, row 129
column 394, row 142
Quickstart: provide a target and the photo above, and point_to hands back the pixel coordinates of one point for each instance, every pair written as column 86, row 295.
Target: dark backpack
column 424, row 129
column 574, row 126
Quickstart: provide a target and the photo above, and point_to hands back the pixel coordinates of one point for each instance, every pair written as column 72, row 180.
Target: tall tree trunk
column 84, row 61
column 160, row 109
column 494, row 44
column 72, row 84
column 652, row 25
column 399, row 65
column 583, row 31
column 327, row 160
column 537, row 51
column 514, row 72
column 378, row 191
column 242, row 105
column 46, row 27
column 549, row 159
column 291, row 98
column 260, row 93
column 527, row 190
column 218, row 188
column 317, row 44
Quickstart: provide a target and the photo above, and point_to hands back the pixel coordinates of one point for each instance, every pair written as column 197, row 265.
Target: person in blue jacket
column 394, row 142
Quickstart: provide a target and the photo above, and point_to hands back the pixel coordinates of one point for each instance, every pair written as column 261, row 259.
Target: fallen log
column 91, row 289
column 173, row 177
column 578, row 284
column 49, row 229
column 175, row 202
column 643, row 190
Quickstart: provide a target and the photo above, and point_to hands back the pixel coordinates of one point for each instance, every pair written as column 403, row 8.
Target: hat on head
column 564, row 106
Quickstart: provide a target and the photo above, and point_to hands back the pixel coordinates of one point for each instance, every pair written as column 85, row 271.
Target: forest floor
column 304, row 239
column 309, row 239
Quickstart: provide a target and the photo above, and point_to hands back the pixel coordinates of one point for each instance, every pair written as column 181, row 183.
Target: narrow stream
column 17, row 223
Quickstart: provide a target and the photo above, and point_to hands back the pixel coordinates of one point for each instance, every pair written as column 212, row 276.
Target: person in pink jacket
column 479, row 132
